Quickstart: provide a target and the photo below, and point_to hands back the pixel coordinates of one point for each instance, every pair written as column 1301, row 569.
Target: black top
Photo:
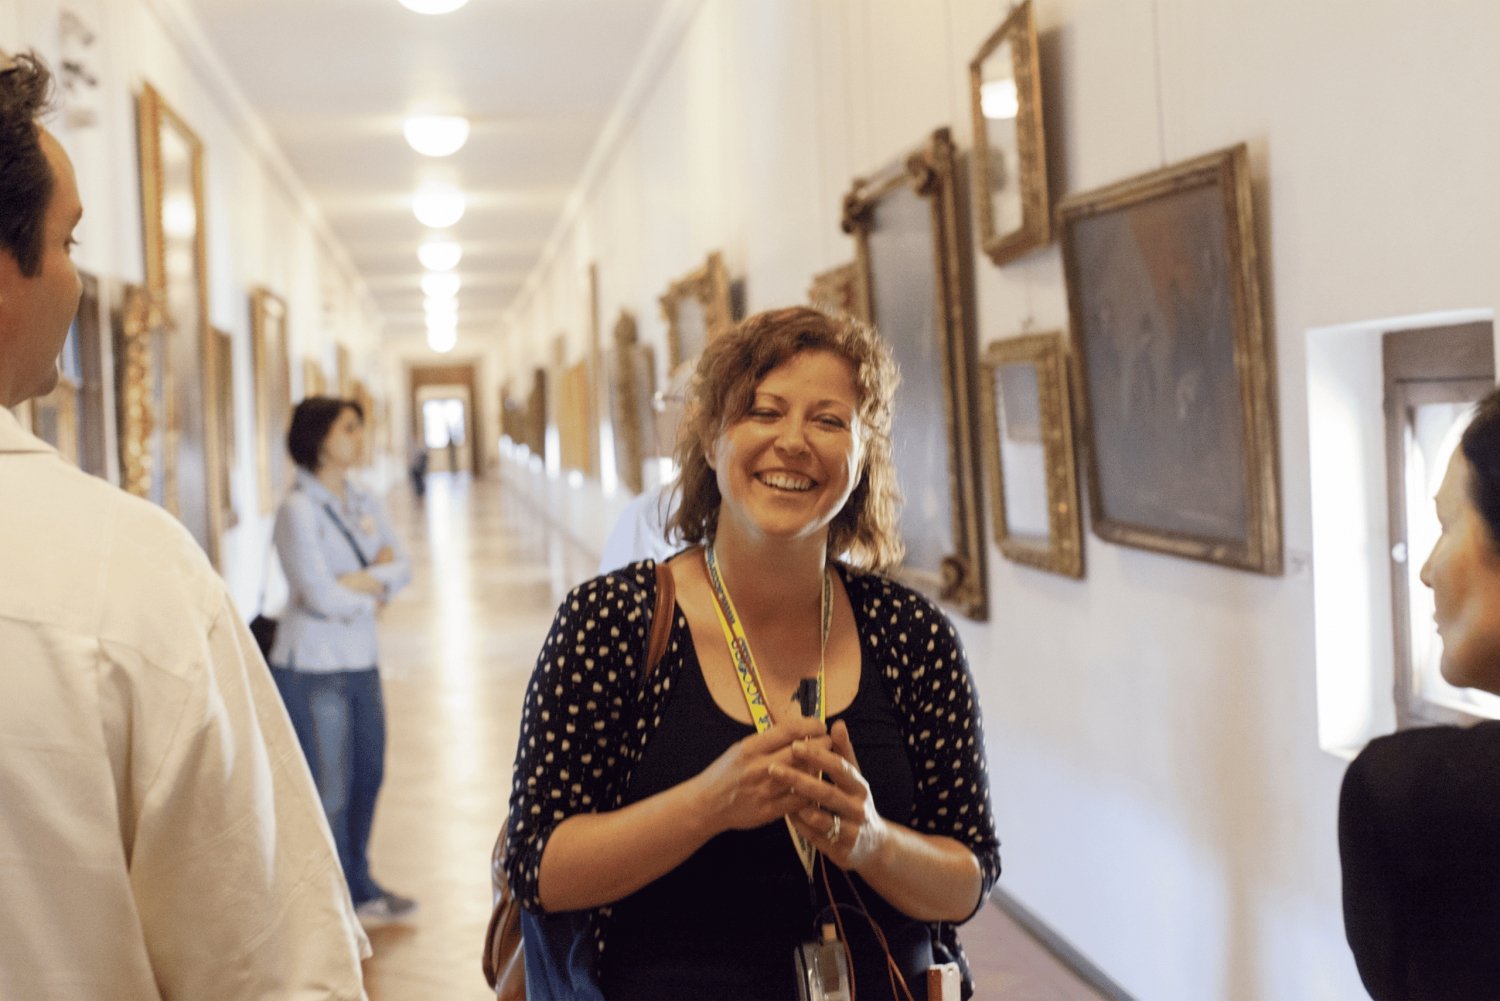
column 1419, row 836
column 589, row 716
column 725, row 922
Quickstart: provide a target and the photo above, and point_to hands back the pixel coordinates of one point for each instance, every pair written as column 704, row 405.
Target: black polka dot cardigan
column 587, row 718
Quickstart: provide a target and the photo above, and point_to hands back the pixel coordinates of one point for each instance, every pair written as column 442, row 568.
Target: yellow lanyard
column 749, row 675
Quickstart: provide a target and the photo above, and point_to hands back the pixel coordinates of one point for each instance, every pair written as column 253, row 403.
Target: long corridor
column 457, row 648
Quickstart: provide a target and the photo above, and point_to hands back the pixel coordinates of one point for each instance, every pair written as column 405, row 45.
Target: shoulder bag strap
column 349, row 536
column 661, row 618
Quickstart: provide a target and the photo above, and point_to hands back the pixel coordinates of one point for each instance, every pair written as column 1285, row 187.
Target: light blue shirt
column 326, row 626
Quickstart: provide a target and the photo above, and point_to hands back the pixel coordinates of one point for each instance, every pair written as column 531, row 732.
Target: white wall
column 1163, row 800
column 260, row 227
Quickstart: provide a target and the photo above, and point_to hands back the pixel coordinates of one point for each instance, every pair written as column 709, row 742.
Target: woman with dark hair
column 342, row 562
column 671, row 833
column 1419, row 817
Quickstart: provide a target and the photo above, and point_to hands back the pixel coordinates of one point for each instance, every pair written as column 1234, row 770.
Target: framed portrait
column 270, row 353
column 913, row 273
column 224, row 393
column 177, row 282
column 1164, row 294
column 838, row 290
column 633, row 383
column 1027, row 421
column 697, row 309
column 536, row 414
column 141, row 396
column 1010, row 146
column 87, row 355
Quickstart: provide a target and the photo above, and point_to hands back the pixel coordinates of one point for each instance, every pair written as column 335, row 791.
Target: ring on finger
column 835, row 829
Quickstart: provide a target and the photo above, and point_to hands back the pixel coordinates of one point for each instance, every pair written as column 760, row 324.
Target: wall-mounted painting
column 228, row 448
column 343, row 371
column 177, row 281
column 90, row 350
column 536, row 414
column 314, row 378
column 838, row 290
column 1028, row 448
column 1164, row 293
column 575, row 418
column 1010, row 146
column 142, row 379
column 273, row 395
column 633, row 370
column 914, row 266
column 697, row 309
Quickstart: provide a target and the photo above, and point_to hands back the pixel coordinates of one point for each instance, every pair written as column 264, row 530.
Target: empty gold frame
column 913, row 268
column 177, row 282
column 697, row 309
column 838, row 290
column 271, row 355
column 1028, row 450
column 1010, row 147
column 1172, row 354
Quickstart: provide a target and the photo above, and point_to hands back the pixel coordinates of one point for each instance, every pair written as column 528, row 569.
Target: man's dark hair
column 313, row 418
column 1481, row 446
column 25, row 176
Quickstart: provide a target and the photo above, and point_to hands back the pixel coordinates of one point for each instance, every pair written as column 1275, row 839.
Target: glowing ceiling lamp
column 440, row 308
column 999, row 99
column 442, row 338
column 440, row 285
column 433, row 6
column 440, row 255
column 438, row 205
column 436, row 135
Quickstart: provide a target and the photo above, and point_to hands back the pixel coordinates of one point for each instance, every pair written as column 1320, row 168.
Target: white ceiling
column 333, row 80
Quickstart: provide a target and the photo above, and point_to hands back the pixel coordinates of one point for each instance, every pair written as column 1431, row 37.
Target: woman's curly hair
column 25, row 176
column 865, row 531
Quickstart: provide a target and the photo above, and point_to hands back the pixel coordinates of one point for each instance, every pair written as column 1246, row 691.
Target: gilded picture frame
column 1009, row 161
column 839, row 290
column 1172, row 353
column 314, row 378
column 1026, row 417
column 575, row 418
column 173, row 209
column 697, row 309
column 913, row 267
column 270, row 352
column 228, row 447
column 141, row 381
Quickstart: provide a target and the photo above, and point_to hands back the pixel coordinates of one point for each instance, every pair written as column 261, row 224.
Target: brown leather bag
column 504, row 958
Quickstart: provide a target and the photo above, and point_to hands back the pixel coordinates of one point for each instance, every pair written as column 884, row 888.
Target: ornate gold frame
column 931, row 173
column 314, row 378
column 136, row 404
column 838, row 290
column 709, row 286
column 1035, row 229
column 1047, row 355
column 1227, row 173
column 271, row 354
column 192, row 414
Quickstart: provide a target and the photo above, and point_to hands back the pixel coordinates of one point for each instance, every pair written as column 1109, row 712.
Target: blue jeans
column 340, row 722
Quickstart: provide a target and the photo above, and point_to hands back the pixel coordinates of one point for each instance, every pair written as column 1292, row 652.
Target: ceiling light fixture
column 442, row 340
column 436, row 135
column 999, row 100
column 440, row 285
column 433, row 6
column 438, row 206
column 440, row 255
column 440, row 307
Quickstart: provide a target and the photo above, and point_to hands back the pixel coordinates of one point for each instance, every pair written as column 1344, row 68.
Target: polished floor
column 457, row 648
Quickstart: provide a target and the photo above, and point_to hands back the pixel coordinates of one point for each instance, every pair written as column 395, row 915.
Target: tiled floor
column 457, row 649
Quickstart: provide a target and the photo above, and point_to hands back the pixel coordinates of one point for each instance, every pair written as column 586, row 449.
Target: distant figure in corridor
column 1419, row 818
column 669, row 834
column 159, row 834
column 343, row 562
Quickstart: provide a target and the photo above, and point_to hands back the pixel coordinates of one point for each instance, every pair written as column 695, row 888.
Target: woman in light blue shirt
column 342, row 563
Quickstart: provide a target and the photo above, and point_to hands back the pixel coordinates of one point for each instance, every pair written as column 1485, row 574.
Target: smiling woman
column 675, row 816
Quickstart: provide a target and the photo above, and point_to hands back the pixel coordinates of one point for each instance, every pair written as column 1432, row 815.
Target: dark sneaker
column 389, row 908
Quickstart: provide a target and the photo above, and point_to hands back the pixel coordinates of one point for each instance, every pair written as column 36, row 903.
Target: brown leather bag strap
column 661, row 618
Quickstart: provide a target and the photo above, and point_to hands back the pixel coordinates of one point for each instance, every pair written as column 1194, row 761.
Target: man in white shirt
column 160, row 836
